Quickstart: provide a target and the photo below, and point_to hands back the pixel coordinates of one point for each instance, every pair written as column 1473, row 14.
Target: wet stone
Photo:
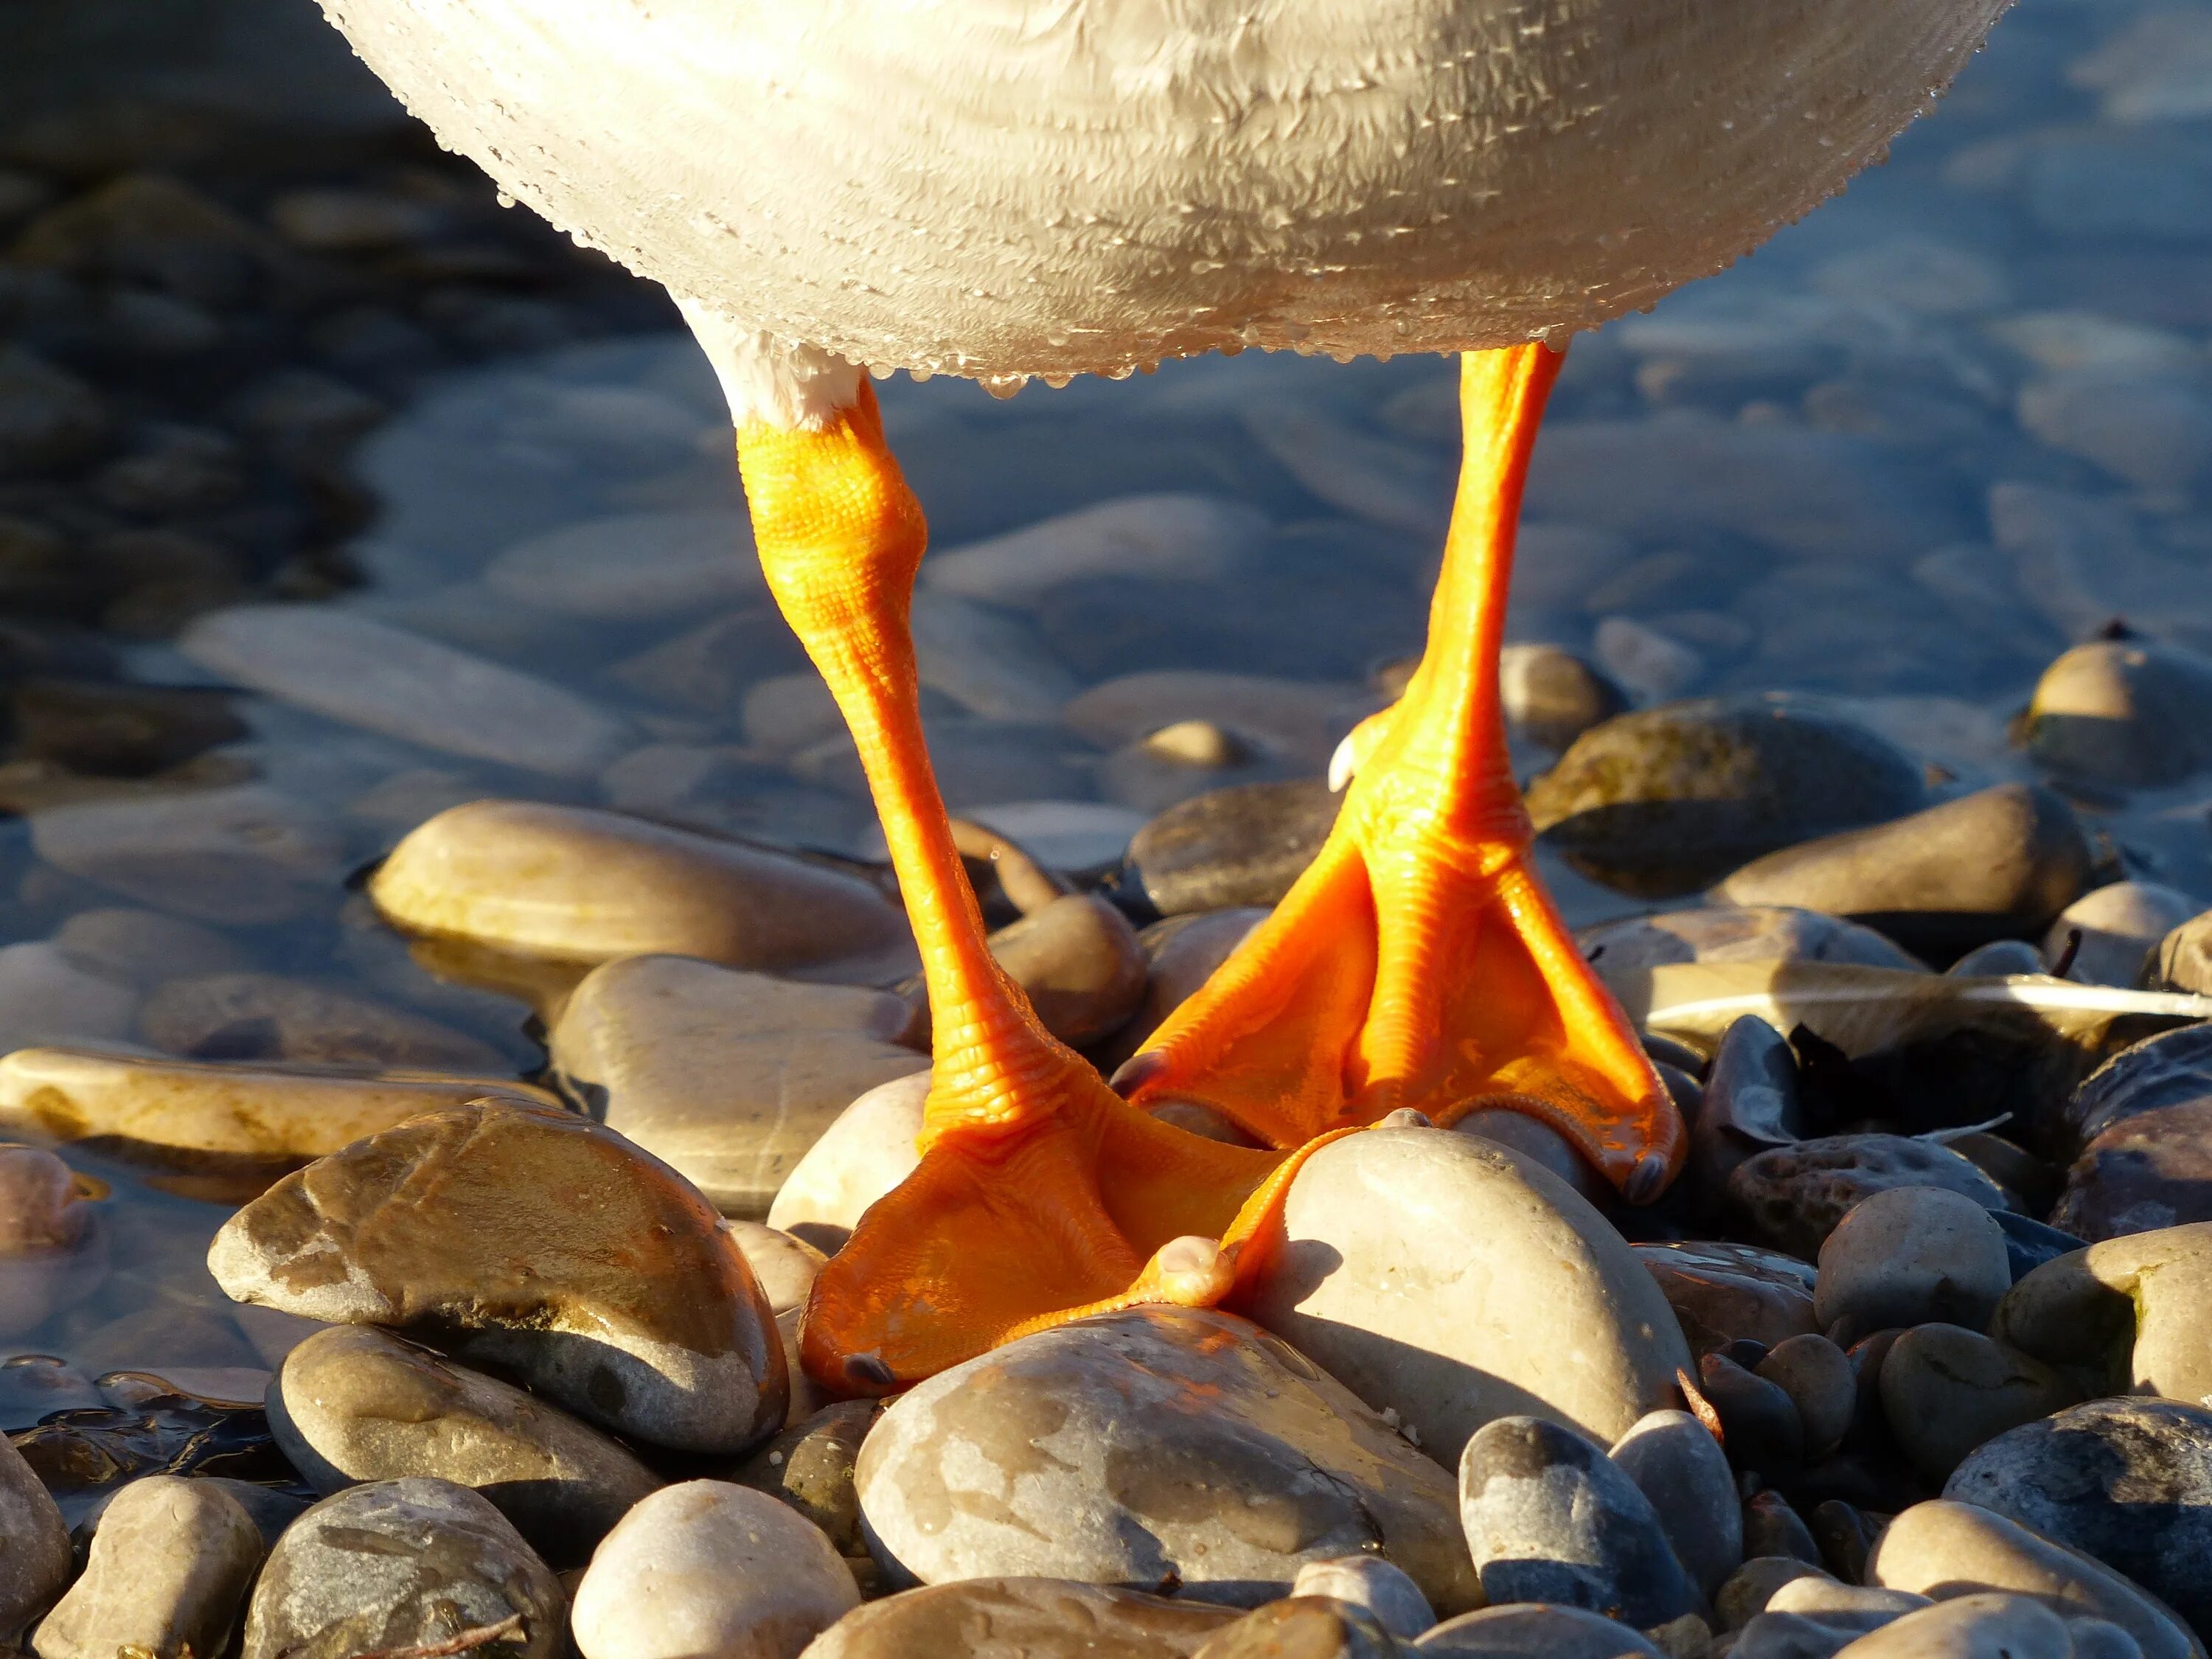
column 729, row 1076
column 167, row 1575
column 47, row 996
column 810, row 1467
column 1999, row 863
column 355, row 1404
column 248, row 1016
column 1302, row 1627
column 1135, row 1447
column 403, row 1563
column 241, row 856
column 709, row 1568
column 588, row 886
column 1533, row 1631
column 36, row 1565
column 144, row 948
column 1550, row 1518
column 552, row 1247
column 2131, row 1310
column 1676, row 1463
column 1243, row 845
column 2119, row 926
column 1300, row 719
column 2125, row 712
column 633, row 566
column 1945, row 1549
column 1721, row 1291
column 1793, row 1197
column 1021, row 1617
column 1452, row 1321
column 1908, row 1255
column 1666, row 799
column 2128, row 1481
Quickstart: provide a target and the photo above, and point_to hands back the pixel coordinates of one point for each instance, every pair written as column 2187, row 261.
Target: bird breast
column 1003, row 188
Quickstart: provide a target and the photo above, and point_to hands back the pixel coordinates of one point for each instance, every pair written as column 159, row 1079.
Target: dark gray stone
column 1793, row 1197
column 1751, row 1104
column 2147, row 1170
column 2128, row 1481
column 1243, row 845
column 1721, row 1291
column 1676, row 1463
column 1549, row 1517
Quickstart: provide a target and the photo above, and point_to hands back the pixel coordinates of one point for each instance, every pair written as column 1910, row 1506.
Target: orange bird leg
column 1419, row 962
column 1040, row 1189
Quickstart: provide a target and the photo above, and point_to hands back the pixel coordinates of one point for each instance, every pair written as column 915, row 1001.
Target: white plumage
column 1006, row 188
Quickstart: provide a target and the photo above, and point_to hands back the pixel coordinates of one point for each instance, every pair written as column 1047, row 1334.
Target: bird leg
column 1419, row 962
column 1040, row 1190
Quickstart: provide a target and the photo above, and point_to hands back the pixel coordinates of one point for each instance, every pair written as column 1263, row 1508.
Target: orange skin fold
column 1419, row 963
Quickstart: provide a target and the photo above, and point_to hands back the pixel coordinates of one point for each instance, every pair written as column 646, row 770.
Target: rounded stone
column 1550, row 1518
column 1552, row 696
column 1022, row 1618
column 2181, row 961
column 1722, row 1292
column 166, row 1573
column 1758, row 1417
column 1668, row 799
column 1368, row 1581
column 36, row 1564
column 1242, row 845
column 274, row 1017
column 2126, row 712
column 2128, row 1481
column 532, row 1240
column 2118, row 928
column 587, row 886
column 1677, row 1464
column 1625, row 953
column 1793, row 1197
column 399, row 1564
column 1133, row 1447
column 1985, row 1626
column 1946, row 1390
column 1817, row 1376
column 2136, row 1311
column 1453, row 1282
column 1946, row 1549
column 2172, row 1068
column 1748, row 1589
column 2149, row 1170
column 810, row 1466
column 355, row 1404
column 1079, row 962
column 1996, row 864
column 1909, row 1255
column 1533, row 1631
column 865, row 1152
column 709, row 1568
column 1302, row 1627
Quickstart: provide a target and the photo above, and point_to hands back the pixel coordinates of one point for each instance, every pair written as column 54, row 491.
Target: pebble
column 1551, row 696
column 1019, row 1618
column 174, row 1110
column 1946, row 1549
column 242, row 856
column 37, row 1565
column 251, row 1016
column 570, row 882
column 1136, row 1447
column 1793, row 1197
column 1173, row 538
column 355, row 1404
column 810, row 1467
column 1078, row 960
column 166, row 1574
column 1677, row 1464
column 1999, row 863
column 1550, row 1518
column 51, row 1253
column 1722, row 1292
column 2127, row 712
column 1430, row 1273
column 867, row 1150
column 1771, row 1528
column 1785, row 1635
column 1669, row 799
column 634, row 567
column 1244, row 845
column 365, row 673
column 400, row 1564
column 1986, row 1626
column 1759, row 1420
column 2000, row 959
column 1317, row 1626
column 728, row 1077
column 1751, row 1102
column 1533, row 1631
column 1653, row 664
column 2172, row 1068
column 1302, row 720
column 2128, row 1481
column 1817, row 1376
column 2131, row 1309
column 2149, row 1170
column 144, row 948
column 534, row 1241
column 47, row 996
column 2152, row 432
column 1946, row 1390
column 1909, row 1255
column 49, row 418
column 709, row 1568
column 988, row 661
column 1182, row 952
column 1754, row 1584
column 2119, row 925
column 1368, row 1581
column 2181, row 961
column 1623, row 952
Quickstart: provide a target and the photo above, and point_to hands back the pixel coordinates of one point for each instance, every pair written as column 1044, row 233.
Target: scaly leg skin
column 1040, row 1190
column 1419, row 963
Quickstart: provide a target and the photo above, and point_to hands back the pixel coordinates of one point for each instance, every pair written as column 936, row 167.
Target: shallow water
column 1794, row 461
